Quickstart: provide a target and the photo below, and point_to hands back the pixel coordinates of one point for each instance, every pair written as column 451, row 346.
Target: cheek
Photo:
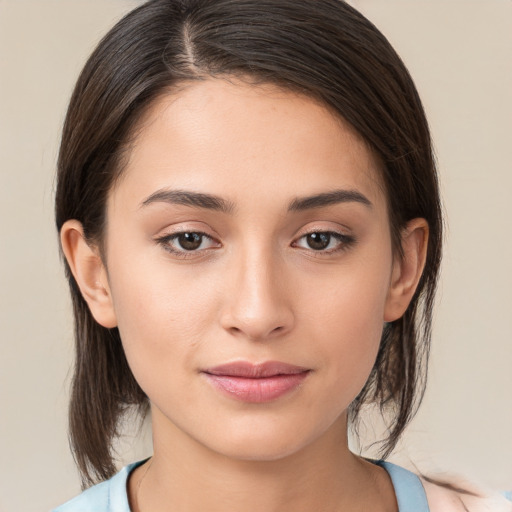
column 162, row 316
column 350, row 300
column 350, row 348
column 349, row 329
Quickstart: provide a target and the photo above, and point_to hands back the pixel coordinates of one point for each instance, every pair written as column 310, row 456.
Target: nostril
column 257, row 320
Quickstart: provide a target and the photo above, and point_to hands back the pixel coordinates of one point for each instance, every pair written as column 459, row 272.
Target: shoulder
column 463, row 497
column 93, row 499
column 108, row 496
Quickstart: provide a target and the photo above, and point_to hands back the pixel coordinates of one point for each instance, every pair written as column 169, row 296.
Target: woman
column 249, row 211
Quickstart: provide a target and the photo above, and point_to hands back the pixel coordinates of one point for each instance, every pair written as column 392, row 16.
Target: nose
column 258, row 306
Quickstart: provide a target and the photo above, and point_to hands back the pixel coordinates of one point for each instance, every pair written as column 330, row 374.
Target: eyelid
column 186, row 226
column 165, row 239
column 345, row 241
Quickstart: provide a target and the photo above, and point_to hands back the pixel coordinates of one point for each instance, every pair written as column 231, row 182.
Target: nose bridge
column 259, row 306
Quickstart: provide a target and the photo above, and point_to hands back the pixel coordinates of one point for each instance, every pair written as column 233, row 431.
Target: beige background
column 460, row 55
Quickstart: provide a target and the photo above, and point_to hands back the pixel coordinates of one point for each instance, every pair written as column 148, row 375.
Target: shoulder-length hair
column 324, row 49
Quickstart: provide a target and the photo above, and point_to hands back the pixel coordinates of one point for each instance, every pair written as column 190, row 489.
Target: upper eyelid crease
column 175, row 235
column 342, row 237
column 164, row 239
column 345, row 240
column 217, row 203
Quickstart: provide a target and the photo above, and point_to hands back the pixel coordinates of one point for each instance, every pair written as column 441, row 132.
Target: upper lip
column 255, row 371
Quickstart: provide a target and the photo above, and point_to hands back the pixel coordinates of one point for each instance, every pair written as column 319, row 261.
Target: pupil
column 318, row 241
column 190, row 241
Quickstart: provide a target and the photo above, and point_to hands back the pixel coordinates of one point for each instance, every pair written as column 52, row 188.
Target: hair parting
column 324, row 49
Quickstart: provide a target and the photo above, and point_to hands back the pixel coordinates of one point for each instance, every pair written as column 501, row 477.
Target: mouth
column 256, row 383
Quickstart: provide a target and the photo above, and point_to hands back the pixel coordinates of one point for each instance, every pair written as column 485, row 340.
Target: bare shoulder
column 463, row 497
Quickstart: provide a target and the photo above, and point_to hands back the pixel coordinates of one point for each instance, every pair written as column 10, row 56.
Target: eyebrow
column 328, row 198
column 217, row 203
column 188, row 198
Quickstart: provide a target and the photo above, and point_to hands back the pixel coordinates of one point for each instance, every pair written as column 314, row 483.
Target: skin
column 254, row 290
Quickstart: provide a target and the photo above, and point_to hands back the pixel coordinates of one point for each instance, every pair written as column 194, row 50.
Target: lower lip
column 259, row 390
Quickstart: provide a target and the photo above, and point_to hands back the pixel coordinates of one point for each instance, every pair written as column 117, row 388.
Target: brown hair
column 321, row 48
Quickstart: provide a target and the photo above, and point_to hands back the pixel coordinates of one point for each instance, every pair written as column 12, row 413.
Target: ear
column 407, row 269
column 89, row 272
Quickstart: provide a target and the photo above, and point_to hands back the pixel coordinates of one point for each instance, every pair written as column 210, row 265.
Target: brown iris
column 190, row 241
column 318, row 241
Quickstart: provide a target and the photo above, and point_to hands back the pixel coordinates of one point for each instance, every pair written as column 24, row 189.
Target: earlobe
column 89, row 272
column 407, row 270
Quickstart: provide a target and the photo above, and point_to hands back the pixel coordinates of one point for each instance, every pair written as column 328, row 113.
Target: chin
column 261, row 450
column 264, row 442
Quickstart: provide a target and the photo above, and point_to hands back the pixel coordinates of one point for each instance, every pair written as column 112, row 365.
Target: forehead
column 227, row 136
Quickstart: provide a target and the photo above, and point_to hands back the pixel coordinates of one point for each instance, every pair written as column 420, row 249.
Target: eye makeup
column 187, row 244
column 191, row 244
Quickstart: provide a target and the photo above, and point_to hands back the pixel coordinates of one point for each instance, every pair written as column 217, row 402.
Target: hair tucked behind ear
column 321, row 48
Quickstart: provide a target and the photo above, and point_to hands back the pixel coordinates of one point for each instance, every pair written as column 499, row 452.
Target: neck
column 187, row 476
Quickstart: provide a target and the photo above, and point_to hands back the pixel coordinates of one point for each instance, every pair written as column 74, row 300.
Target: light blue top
column 111, row 496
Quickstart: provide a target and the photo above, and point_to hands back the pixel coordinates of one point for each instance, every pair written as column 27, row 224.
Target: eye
column 184, row 242
column 324, row 241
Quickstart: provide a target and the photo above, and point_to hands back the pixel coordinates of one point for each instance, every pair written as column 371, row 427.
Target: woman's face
column 249, row 226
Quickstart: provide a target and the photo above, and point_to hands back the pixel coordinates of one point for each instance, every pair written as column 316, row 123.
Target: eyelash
column 165, row 242
column 345, row 242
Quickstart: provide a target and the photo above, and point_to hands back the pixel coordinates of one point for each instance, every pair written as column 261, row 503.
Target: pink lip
column 256, row 383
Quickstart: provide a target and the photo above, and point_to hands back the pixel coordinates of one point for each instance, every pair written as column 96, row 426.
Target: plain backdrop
column 458, row 51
